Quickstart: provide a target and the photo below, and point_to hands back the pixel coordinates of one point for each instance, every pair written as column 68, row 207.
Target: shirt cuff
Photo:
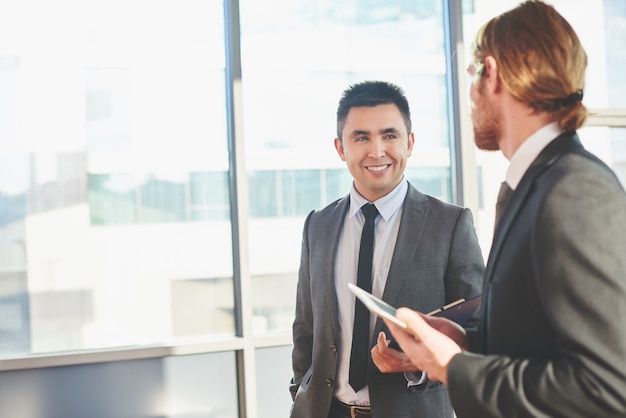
column 415, row 378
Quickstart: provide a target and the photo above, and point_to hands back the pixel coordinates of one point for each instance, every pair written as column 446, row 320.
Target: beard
column 487, row 124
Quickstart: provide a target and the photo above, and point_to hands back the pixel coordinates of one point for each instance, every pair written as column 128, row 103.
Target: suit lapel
column 415, row 210
column 333, row 230
column 551, row 153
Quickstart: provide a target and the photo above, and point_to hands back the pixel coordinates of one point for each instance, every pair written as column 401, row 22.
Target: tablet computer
column 376, row 305
column 459, row 311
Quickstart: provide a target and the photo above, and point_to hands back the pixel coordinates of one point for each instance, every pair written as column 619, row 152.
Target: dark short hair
column 372, row 93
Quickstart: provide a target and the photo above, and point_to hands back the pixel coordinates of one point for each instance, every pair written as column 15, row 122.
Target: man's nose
column 377, row 148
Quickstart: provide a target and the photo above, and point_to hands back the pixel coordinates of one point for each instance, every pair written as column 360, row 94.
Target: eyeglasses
column 476, row 70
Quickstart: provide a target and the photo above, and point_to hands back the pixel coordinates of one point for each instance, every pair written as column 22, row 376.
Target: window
column 114, row 204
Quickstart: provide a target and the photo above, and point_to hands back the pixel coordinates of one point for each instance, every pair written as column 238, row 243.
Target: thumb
column 382, row 339
column 415, row 323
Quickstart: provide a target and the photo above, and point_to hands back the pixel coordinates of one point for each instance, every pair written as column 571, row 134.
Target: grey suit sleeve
column 302, row 328
column 577, row 250
column 466, row 266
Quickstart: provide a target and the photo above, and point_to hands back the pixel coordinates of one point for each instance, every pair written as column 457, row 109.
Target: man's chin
column 486, row 144
column 488, row 148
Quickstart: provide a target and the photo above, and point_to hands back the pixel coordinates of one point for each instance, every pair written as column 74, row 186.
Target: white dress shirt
column 528, row 152
column 385, row 234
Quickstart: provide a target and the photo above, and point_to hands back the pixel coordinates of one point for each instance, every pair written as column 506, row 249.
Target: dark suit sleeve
column 577, row 258
column 303, row 323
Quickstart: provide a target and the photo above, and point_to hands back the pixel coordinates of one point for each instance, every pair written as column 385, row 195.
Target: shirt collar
column 386, row 205
column 528, row 152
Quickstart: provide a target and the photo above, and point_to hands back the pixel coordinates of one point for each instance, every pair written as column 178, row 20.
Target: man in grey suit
column 426, row 254
column 551, row 340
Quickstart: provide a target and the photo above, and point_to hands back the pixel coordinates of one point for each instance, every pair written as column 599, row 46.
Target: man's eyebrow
column 358, row 132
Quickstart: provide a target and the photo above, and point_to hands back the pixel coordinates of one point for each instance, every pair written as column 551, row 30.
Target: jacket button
column 332, row 348
column 329, row 382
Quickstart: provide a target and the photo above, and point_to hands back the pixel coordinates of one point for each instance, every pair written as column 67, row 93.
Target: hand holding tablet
column 459, row 311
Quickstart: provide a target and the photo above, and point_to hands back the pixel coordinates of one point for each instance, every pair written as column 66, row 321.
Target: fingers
column 381, row 355
column 389, row 360
column 382, row 339
column 379, row 351
column 429, row 327
column 416, row 323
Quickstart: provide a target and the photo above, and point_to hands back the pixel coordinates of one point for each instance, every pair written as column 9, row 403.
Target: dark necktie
column 503, row 197
column 361, row 328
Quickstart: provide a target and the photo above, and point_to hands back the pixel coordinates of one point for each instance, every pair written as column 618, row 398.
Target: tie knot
column 503, row 197
column 505, row 192
column 369, row 211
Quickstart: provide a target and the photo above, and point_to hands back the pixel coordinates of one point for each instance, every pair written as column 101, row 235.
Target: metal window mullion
column 245, row 357
column 611, row 117
column 451, row 27
column 462, row 152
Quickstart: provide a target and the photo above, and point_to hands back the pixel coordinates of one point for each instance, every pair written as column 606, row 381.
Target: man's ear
column 492, row 74
column 410, row 143
column 339, row 148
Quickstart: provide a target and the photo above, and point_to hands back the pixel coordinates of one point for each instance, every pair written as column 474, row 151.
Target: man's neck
column 519, row 122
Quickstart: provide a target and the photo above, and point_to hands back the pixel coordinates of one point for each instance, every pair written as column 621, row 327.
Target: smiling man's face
column 375, row 145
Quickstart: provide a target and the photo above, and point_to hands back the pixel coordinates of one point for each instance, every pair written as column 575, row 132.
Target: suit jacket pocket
column 306, row 379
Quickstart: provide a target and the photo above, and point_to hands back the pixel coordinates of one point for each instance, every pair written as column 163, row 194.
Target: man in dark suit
column 551, row 340
column 426, row 254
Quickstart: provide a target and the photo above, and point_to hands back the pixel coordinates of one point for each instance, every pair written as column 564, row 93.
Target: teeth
column 378, row 168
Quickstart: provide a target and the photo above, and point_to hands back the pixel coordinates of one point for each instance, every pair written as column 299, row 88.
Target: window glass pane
column 336, row 182
column 301, row 191
column 296, row 62
column 201, row 306
column 201, row 386
column 162, row 199
column 618, row 153
column 113, row 130
column 273, row 369
column 609, row 144
column 209, row 195
column 272, row 294
column 263, row 187
column 431, row 181
column 111, row 199
column 601, row 26
column 10, row 97
column 190, row 386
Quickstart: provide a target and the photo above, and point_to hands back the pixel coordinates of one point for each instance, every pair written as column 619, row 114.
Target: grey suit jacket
column 436, row 260
column 553, row 314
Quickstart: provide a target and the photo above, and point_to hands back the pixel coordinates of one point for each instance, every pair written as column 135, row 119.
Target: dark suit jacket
column 436, row 260
column 553, row 315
